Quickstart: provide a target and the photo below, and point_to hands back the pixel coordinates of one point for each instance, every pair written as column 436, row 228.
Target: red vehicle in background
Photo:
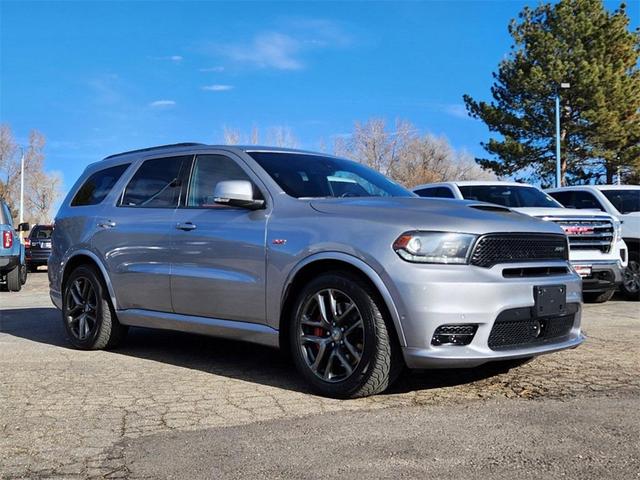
column 38, row 246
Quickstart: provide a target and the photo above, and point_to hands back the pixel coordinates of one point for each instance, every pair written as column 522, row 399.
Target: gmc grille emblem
column 574, row 230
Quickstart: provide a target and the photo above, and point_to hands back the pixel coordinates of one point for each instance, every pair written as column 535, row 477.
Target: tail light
column 27, row 243
column 7, row 239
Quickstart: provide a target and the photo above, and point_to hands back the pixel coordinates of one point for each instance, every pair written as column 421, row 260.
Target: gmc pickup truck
column 597, row 250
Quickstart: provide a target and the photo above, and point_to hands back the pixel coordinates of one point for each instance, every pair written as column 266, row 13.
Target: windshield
column 313, row 176
column 625, row 201
column 509, row 195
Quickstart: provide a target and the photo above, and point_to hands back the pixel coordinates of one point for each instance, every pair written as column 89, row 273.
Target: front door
column 218, row 252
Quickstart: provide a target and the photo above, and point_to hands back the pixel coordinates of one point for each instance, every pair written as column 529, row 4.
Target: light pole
column 558, row 165
column 21, row 183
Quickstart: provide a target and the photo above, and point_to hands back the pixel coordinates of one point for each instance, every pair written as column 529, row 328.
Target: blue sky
column 102, row 77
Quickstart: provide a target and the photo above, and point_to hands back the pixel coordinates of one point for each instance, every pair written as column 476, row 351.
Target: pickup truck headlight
column 617, row 231
column 434, row 247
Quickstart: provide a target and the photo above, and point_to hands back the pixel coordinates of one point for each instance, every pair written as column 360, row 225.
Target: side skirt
column 244, row 331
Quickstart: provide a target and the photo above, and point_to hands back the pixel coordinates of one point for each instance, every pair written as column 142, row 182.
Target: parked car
column 266, row 245
column 13, row 269
column 597, row 251
column 38, row 246
column 621, row 202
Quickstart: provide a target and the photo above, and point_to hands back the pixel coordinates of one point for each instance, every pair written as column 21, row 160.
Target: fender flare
column 101, row 267
column 365, row 268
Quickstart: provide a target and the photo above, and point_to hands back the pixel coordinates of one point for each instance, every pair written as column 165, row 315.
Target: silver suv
column 351, row 273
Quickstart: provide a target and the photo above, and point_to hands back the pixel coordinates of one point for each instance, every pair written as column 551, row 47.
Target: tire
column 13, row 280
column 84, row 293
column 598, row 297
column 23, row 274
column 33, row 268
column 630, row 287
column 368, row 346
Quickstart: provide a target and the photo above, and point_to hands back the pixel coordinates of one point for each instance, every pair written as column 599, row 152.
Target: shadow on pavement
column 244, row 361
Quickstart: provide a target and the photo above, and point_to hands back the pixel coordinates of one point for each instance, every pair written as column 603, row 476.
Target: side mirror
column 23, row 227
column 236, row 193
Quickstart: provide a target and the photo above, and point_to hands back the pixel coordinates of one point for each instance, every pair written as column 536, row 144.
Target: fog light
column 454, row 334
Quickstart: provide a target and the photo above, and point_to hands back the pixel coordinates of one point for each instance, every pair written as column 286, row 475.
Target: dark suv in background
column 38, row 246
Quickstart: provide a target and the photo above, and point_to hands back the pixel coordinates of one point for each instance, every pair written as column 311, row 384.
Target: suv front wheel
column 87, row 314
column 340, row 340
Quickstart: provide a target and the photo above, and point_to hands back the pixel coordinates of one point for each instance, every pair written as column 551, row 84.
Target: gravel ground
column 171, row 405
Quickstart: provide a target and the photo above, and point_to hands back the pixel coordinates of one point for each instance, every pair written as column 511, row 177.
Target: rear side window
column 5, row 215
column 40, row 233
column 98, row 186
column 156, row 184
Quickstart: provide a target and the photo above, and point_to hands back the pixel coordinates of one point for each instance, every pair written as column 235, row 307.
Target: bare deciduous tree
column 279, row 136
column 405, row 155
column 41, row 189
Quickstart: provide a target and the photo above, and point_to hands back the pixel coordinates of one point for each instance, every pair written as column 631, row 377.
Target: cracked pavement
column 72, row 414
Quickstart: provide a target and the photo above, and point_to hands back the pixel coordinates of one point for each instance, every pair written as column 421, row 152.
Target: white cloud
column 171, row 58
column 456, row 110
column 285, row 51
column 212, row 69
column 267, row 50
column 217, row 88
column 162, row 103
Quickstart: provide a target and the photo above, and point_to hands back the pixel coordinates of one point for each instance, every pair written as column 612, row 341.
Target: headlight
column 617, row 231
column 434, row 247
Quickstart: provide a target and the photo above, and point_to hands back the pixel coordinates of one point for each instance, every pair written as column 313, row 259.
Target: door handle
column 186, row 226
column 107, row 224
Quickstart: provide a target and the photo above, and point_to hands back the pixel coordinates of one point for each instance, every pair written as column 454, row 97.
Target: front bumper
column 430, row 296
column 605, row 275
column 37, row 257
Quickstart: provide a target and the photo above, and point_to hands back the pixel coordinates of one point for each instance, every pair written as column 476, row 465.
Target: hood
column 415, row 213
column 561, row 212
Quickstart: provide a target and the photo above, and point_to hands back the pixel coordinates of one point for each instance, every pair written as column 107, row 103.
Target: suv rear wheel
column 87, row 314
column 340, row 340
column 13, row 280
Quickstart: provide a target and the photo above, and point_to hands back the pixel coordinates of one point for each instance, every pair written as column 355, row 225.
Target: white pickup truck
column 597, row 250
column 621, row 202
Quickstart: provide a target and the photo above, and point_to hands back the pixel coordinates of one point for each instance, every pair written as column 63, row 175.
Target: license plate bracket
column 550, row 300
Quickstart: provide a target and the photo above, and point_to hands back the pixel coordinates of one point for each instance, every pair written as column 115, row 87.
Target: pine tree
column 577, row 42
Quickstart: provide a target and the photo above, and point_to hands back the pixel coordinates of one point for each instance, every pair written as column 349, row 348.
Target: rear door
column 218, row 252
column 134, row 237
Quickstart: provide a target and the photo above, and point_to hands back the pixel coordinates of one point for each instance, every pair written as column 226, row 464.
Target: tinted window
column 40, row 232
column 565, row 198
column 208, row 171
column 625, row 201
column 508, row 195
column 156, row 184
column 98, row 186
column 585, row 200
column 436, row 192
column 5, row 215
column 301, row 175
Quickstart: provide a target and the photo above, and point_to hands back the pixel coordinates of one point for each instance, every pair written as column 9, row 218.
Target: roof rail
column 159, row 147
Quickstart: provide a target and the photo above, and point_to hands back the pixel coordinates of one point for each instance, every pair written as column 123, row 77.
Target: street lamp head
column 565, row 85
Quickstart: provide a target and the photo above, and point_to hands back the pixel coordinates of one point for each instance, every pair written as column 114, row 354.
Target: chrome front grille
column 587, row 233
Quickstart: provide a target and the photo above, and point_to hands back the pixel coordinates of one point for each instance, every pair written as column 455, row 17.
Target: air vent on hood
column 490, row 208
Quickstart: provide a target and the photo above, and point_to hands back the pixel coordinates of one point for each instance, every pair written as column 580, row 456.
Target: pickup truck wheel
column 631, row 282
column 87, row 314
column 340, row 341
column 598, row 297
column 13, row 280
